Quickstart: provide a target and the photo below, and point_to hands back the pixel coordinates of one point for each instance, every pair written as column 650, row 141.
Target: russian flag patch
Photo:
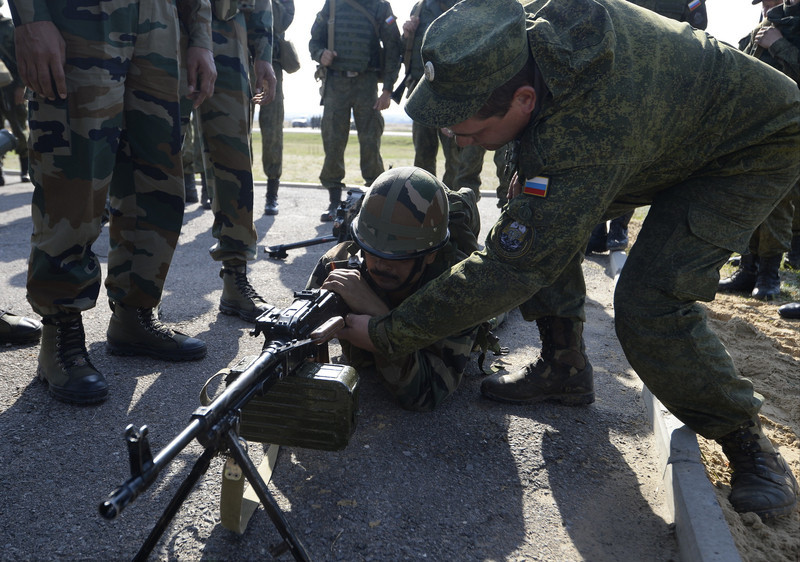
column 536, row 186
column 694, row 5
column 390, row 20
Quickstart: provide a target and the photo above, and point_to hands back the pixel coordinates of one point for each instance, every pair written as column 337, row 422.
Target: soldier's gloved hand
column 41, row 54
column 201, row 72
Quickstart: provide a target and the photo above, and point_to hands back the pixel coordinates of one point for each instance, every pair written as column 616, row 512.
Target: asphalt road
column 475, row 480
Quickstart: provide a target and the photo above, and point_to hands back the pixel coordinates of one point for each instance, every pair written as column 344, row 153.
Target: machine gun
column 296, row 342
column 345, row 213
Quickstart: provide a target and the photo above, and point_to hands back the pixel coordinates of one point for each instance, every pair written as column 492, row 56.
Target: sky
column 728, row 20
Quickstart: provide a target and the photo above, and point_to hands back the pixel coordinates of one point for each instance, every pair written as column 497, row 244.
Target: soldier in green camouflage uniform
column 613, row 107
column 776, row 42
column 239, row 32
column 270, row 117
column 354, row 67
column 412, row 202
column 105, row 78
column 12, row 106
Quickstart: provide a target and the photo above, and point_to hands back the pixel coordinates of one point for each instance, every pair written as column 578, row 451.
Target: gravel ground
column 475, row 480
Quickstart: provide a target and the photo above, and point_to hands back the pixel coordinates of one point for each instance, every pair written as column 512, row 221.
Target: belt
column 345, row 73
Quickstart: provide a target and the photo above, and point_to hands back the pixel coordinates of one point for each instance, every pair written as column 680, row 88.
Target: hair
column 499, row 101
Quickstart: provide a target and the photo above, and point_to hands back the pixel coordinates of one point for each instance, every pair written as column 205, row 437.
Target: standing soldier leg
column 426, row 146
column 470, row 167
column 146, row 195
column 270, row 120
column 793, row 255
column 335, row 130
column 452, row 159
column 774, row 238
column 369, row 126
column 225, row 122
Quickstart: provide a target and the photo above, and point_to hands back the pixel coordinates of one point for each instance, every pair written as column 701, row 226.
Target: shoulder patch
column 513, row 239
column 537, row 186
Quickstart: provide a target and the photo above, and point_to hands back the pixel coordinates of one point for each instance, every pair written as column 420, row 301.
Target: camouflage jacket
column 783, row 54
column 356, row 43
column 419, row 380
column 195, row 15
column 635, row 104
column 430, row 10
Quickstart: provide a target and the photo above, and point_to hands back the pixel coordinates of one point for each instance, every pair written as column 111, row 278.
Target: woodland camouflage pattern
column 225, row 121
column 637, row 110
column 121, row 118
column 421, row 379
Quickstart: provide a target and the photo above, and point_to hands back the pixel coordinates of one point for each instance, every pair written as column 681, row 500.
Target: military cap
column 468, row 52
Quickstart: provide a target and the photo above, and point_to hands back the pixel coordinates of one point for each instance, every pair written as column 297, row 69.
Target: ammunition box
column 315, row 407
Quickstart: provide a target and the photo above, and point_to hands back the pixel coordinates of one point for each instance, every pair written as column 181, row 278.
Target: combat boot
column 793, row 255
column 597, row 240
column 761, row 481
column 238, row 295
column 23, row 170
column 768, row 280
column 271, row 208
column 562, row 374
column 138, row 331
column 743, row 279
column 335, row 195
column 18, row 329
column 617, row 240
column 190, row 188
column 64, row 363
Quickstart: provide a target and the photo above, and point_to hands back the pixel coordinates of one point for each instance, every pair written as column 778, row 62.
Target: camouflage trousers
column 341, row 95
column 773, row 237
column 225, row 122
column 116, row 134
column 673, row 264
column 270, row 121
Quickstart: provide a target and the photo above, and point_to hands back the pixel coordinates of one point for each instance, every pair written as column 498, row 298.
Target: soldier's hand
column 356, row 331
column 514, row 187
column 410, row 26
column 201, row 72
column 766, row 36
column 265, row 82
column 348, row 284
column 384, row 100
column 41, row 55
column 326, row 59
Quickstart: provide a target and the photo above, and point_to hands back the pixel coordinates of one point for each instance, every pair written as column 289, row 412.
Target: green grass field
column 303, row 157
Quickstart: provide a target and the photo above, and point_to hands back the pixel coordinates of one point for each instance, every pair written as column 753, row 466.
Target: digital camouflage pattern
column 634, row 110
column 225, row 122
column 270, row 116
column 421, row 379
column 773, row 236
column 120, row 119
column 358, row 49
column 679, row 10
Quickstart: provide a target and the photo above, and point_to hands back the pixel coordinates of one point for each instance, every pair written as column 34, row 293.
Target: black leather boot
column 335, row 196
column 743, row 280
column 562, row 374
column 768, row 280
column 23, row 170
column 761, row 482
column 138, row 331
column 271, row 207
column 238, row 295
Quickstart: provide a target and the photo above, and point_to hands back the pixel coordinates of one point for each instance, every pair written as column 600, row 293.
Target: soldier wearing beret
column 612, row 107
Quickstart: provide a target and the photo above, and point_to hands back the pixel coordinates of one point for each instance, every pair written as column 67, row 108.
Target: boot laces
column 244, row 286
column 71, row 344
column 743, row 450
column 149, row 321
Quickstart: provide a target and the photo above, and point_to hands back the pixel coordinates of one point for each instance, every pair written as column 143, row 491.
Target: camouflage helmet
column 403, row 216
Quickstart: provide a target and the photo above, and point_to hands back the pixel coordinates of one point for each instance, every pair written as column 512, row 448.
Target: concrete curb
column 702, row 533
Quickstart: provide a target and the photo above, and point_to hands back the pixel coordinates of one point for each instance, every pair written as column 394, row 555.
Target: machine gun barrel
column 205, row 427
